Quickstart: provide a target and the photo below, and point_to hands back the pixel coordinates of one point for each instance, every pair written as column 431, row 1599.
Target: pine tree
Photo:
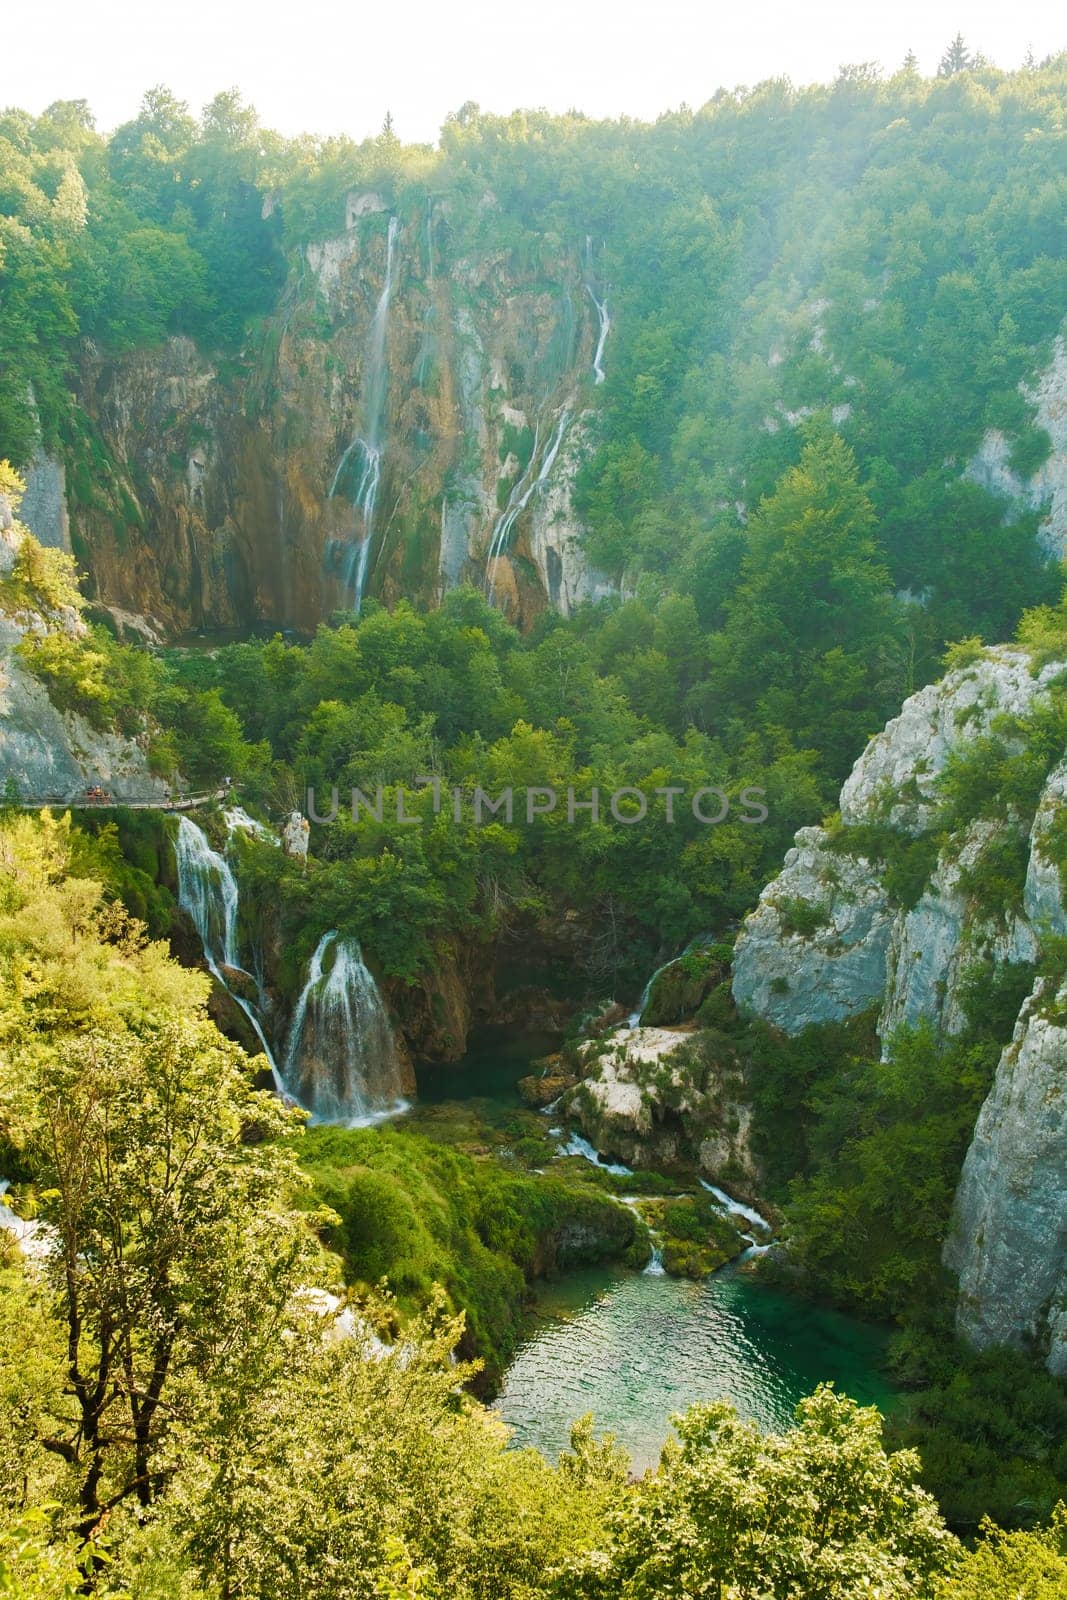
column 957, row 58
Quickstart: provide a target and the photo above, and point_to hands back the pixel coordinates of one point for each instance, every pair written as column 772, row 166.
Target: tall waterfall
column 425, row 359
column 603, row 318
column 207, row 890
column 528, row 485
column 341, row 1060
column 366, row 448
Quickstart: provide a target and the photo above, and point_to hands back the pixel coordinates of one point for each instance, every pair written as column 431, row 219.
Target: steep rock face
column 656, row 1096
column 46, row 753
column 828, row 940
column 1047, row 487
column 54, row 755
column 221, row 493
column 44, row 504
column 933, row 948
column 834, row 969
column 1009, row 1239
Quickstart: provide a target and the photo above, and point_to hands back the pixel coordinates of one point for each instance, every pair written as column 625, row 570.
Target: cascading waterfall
column 207, row 890
column 603, row 318
column 735, row 1208
column 653, row 1267
column 341, row 1061
column 429, row 244
column 523, row 492
column 367, row 446
column 424, row 362
column 237, row 817
column 634, row 1019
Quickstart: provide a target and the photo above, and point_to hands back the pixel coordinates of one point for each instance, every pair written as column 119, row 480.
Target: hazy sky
column 336, row 68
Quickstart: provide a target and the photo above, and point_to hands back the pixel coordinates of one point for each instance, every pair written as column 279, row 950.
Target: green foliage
column 1014, row 1566
column 419, row 1213
column 696, row 1238
column 379, row 704
column 803, row 917
column 846, row 1517
column 990, row 1429
column 888, row 1146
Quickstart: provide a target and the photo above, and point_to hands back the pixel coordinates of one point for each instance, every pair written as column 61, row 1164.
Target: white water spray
column 236, row 817
column 577, row 1146
column 603, row 318
column 207, row 890
column 523, row 492
column 734, row 1207
column 341, row 1060
column 368, row 444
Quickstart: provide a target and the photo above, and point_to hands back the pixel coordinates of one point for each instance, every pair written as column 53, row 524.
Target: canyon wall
column 890, row 908
column 207, row 495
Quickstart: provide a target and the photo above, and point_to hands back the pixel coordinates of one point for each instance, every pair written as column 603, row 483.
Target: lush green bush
column 417, row 1212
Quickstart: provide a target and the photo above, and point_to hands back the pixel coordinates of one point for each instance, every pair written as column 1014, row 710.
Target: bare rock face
column 827, row 942
column 656, row 1095
column 44, row 503
column 934, row 946
column 815, row 949
column 51, row 755
column 230, row 501
column 1009, row 1238
column 295, row 835
column 1047, row 487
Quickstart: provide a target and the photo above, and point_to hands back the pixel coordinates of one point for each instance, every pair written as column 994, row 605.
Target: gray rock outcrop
column 1008, row 1243
column 827, row 941
column 48, row 755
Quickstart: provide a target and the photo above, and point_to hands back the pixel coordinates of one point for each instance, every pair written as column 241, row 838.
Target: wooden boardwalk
column 85, row 802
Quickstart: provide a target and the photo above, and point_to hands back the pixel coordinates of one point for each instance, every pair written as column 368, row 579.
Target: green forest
column 247, row 1358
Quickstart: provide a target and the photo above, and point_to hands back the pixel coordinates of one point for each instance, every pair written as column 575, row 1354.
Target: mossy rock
column 679, row 989
column 696, row 1238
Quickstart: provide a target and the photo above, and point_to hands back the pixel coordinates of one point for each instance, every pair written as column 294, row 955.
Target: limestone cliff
column 662, row 1096
column 1045, row 489
column 1009, row 1239
column 413, row 390
column 836, row 934
column 890, row 908
column 45, row 752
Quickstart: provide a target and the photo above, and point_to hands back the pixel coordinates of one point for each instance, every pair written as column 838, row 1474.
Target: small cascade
column 34, row 1239
column 425, row 358
column 236, row 817
column 366, row 448
column 634, row 1019
column 575, row 1145
column 603, row 319
column 528, row 485
column 655, row 1267
column 734, row 1208
column 430, row 281
column 341, row 1060
column 207, row 891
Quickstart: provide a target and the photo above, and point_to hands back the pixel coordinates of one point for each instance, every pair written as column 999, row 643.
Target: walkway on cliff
column 107, row 802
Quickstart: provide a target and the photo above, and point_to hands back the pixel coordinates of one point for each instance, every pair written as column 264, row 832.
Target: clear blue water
column 634, row 1347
